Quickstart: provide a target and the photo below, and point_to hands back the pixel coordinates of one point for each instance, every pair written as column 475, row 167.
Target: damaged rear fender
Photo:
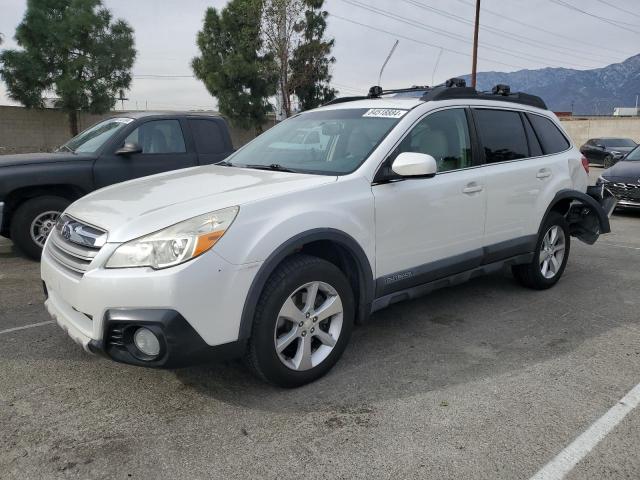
column 587, row 213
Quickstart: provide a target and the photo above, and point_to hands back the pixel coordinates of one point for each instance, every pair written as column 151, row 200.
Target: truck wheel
column 303, row 322
column 550, row 257
column 33, row 221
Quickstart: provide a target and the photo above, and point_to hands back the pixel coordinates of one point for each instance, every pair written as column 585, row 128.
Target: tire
column 47, row 209
column 537, row 275
column 608, row 162
column 285, row 296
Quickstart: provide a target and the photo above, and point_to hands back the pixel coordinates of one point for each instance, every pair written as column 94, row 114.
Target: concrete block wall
column 581, row 129
column 24, row 130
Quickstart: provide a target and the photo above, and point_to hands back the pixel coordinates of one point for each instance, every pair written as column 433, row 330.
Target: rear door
column 518, row 177
column 429, row 228
column 211, row 139
column 163, row 149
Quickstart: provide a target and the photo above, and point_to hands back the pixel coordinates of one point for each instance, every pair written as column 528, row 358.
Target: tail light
column 585, row 164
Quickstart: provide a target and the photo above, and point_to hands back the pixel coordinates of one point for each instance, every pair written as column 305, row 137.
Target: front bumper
column 194, row 307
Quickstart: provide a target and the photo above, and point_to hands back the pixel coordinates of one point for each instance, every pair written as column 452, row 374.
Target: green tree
column 73, row 49
column 311, row 62
column 231, row 63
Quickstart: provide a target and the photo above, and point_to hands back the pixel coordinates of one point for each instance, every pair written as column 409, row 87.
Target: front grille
column 74, row 244
column 625, row 191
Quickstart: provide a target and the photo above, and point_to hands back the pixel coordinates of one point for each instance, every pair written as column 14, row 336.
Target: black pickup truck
column 36, row 188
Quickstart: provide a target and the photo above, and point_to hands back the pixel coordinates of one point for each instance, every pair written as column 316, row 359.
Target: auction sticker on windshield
column 384, row 113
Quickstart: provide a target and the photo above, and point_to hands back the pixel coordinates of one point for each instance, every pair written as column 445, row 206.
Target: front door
column 163, row 149
column 430, row 228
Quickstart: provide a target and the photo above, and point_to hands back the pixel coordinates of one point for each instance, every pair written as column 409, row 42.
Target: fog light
column 147, row 342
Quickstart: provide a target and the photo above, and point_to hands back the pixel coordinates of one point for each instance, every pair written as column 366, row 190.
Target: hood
column 139, row 207
column 624, row 171
column 42, row 157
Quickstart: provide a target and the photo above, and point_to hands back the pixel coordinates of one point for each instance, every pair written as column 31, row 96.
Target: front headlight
column 175, row 244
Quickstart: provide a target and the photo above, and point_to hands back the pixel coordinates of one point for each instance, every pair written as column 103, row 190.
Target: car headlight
column 616, row 153
column 175, row 244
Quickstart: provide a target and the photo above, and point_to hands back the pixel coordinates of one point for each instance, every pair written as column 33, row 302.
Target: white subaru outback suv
column 320, row 221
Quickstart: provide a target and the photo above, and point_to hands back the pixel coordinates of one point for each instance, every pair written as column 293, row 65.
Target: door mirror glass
column 129, row 148
column 412, row 164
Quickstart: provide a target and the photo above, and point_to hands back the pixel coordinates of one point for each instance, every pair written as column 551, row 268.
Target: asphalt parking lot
column 486, row 381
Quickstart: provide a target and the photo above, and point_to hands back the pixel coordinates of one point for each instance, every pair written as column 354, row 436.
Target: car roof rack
column 454, row 89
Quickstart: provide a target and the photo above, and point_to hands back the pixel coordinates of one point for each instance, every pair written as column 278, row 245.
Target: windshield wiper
column 67, row 147
column 274, row 166
column 224, row 163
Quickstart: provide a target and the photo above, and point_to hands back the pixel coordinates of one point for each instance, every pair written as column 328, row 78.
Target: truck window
column 159, row 136
column 208, row 136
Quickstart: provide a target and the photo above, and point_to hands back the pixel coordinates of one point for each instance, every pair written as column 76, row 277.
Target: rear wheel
column 303, row 322
column 608, row 161
column 550, row 257
column 33, row 221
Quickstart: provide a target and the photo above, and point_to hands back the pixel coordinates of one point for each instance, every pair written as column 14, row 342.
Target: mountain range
column 585, row 92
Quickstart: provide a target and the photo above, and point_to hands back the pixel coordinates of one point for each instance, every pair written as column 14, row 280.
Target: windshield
column 619, row 142
column 330, row 142
column 93, row 138
column 634, row 156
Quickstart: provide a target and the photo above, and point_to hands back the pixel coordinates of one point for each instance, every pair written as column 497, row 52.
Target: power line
column 618, row 8
column 498, row 48
column 495, row 31
column 421, row 42
column 588, row 54
column 615, row 23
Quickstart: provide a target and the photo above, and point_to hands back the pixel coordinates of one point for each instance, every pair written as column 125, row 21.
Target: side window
column 159, row 136
column 445, row 136
column 208, row 136
column 535, row 150
column 502, row 135
column 552, row 139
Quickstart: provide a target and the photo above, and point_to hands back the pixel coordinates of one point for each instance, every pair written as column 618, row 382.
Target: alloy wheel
column 308, row 326
column 42, row 226
column 552, row 252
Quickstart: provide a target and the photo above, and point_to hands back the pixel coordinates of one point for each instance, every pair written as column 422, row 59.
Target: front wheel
column 303, row 322
column 550, row 257
column 33, row 221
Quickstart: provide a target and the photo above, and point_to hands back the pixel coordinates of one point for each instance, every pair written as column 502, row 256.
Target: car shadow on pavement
column 469, row 333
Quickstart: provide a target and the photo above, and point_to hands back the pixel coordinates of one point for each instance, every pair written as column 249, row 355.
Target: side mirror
column 411, row 164
column 129, row 148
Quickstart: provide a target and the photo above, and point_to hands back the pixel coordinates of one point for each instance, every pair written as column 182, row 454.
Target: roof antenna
column 393, row 49
column 435, row 67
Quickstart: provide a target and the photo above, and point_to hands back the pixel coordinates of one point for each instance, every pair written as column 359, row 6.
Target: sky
column 435, row 41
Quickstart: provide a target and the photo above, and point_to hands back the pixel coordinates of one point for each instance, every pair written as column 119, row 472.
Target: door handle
column 543, row 173
column 472, row 188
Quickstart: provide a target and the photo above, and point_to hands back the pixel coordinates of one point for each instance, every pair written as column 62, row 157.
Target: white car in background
column 276, row 253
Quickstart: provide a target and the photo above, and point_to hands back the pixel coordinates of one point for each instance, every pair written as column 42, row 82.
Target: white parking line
column 33, row 325
column 568, row 458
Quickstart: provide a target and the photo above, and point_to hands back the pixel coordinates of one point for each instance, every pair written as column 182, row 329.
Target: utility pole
column 474, row 68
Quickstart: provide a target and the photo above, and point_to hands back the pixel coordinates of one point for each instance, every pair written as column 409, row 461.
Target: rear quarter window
column 550, row 136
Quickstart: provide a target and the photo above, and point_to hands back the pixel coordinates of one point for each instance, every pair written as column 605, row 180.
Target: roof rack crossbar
column 452, row 89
